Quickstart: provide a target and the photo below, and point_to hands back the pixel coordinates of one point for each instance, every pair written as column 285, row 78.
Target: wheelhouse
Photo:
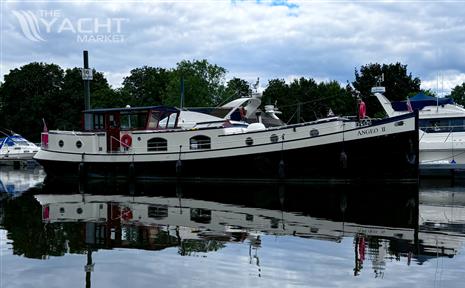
column 117, row 121
column 130, row 119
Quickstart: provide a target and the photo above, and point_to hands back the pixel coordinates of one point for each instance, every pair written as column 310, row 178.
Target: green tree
column 203, row 84
column 305, row 100
column 399, row 84
column 146, row 86
column 2, row 119
column 39, row 91
column 277, row 93
column 237, row 87
column 72, row 98
column 29, row 94
column 190, row 247
column 458, row 94
column 339, row 99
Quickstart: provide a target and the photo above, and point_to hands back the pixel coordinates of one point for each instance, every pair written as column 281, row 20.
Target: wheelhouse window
column 153, row 120
column 94, row 121
column 157, row 144
column 133, row 120
column 168, row 120
column 139, row 118
column 200, row 142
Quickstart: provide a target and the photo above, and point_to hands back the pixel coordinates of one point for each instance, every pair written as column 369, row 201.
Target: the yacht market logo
column 38, row 25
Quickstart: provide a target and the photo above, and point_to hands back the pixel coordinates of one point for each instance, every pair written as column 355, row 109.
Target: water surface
column 148, row 234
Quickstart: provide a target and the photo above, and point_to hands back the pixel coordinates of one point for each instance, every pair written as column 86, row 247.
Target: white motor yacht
column 16, row 148
column 442, row 128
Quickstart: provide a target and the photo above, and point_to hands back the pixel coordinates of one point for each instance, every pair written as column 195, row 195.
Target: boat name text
column 371, row 131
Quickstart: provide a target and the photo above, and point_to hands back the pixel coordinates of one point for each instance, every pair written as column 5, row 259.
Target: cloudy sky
column 325, row 40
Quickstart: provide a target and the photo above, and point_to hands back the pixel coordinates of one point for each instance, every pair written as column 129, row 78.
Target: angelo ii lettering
column 371, row 131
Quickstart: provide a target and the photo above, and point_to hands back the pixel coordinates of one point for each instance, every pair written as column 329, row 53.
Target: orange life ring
column 126, row 140
column 126, row 214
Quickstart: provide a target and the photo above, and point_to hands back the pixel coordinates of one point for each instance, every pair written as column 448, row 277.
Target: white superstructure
column 441, row 134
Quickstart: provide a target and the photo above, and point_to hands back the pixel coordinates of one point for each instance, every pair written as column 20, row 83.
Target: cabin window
column 200, row 142
column 442, row 125
column 158, row 211
column 99, row 122
column 168, row 121
column 199, row 215
column 249, row 141
column 274, row 138
column 153, row 120
column 157, row 144
column 172, row 120
column 458, row 125
column 134, row 120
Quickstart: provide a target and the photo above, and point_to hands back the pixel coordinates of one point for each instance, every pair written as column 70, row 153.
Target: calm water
column 113, row 234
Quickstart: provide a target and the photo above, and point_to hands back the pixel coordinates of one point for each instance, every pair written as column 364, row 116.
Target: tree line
column 38, row 92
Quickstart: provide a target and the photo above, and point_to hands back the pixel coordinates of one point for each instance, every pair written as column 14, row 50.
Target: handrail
column 121, row 145
column 450, row 131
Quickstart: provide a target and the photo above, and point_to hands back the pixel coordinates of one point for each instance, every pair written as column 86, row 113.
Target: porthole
column 78, row 144
column 62, row 210
column 138, row 139
column 274, row 138
column 79, row 210
column 249, row 141
column 61, row 143
column 314, row 133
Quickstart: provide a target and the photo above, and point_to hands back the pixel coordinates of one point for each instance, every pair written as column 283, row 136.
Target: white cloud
column 444, row 81
column 324, row 40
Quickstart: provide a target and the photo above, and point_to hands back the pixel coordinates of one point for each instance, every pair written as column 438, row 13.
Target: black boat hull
column 393, row 156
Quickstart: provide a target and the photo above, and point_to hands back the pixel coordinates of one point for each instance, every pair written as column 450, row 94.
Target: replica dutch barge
column 162, row 142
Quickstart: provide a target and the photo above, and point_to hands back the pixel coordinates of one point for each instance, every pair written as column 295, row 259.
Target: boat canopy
column 13, row 140
column 132, row 109
column 420, row 101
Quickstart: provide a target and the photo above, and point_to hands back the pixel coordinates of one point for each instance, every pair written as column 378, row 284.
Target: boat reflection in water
column 14, row 181
column 202, row 217
column 198, row 218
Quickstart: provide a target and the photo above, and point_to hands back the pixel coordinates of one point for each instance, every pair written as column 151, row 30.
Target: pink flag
column 45, row 126
column 44, row 136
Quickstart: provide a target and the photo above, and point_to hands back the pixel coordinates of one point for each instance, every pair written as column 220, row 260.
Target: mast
column 87, row 77
column 182, row 93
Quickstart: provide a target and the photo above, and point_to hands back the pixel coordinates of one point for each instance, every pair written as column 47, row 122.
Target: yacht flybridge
column 441, row 124
column 236, row 140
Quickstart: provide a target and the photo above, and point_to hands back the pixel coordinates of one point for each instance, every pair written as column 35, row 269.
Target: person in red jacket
column 362, row 110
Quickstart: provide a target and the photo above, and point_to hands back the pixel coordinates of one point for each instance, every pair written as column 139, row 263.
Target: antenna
column 182, row 93
column 380, row 79
column 442, row 84
column 255, row 86
column 437, row 93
